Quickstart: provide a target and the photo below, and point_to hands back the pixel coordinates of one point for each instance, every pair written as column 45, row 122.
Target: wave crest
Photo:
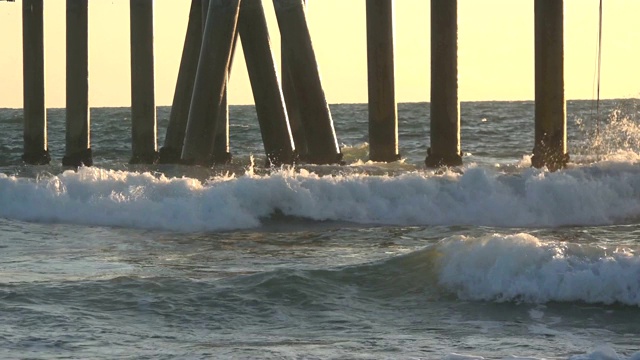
column 522, row 267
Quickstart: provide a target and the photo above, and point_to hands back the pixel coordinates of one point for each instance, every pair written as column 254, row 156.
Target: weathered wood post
column 36, row 151
column 221, row 147
column 267, row 94
column 78, row 141
column 170, row 152
column 213, row 65
column 321, row 138
column 445, row 108
column 293, row 106
column 550, row 147
column 143, row 107
column 383, row 113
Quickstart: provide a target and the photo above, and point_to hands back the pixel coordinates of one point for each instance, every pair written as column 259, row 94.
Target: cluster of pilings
column 294, row 117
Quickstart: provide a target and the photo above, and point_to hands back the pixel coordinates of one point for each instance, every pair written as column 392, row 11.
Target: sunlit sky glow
column 495, row 50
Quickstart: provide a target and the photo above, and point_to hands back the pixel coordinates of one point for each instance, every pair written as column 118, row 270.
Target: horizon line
column 342, row 103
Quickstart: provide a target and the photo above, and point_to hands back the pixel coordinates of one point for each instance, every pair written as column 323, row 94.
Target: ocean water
column 494, row 260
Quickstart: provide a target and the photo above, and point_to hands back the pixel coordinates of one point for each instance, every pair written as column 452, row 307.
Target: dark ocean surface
column 494, row 260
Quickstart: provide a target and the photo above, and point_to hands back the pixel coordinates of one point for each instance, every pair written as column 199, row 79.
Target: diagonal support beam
column 174, row 139
column 318, row 127
column 293, row 106
column 221, row 147
column 267, row 93
column 213, row 65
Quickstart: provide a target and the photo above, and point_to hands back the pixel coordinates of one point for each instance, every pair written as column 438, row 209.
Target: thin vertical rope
column 598, row 75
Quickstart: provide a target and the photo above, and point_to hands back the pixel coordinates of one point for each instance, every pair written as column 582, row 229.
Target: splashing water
column 617, row 139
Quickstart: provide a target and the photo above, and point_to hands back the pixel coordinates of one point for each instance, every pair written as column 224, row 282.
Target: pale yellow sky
column 495, row 50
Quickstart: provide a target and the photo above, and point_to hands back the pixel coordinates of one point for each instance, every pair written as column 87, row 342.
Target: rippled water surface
column 494, row 260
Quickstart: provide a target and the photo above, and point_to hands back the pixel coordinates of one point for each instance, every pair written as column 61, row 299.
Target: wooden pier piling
column 213, row 65
column 36, row 150
column 445, row 108
column 78, row 142
column 221, row 147
column 143, row 107
column 293, row 106
column 322, row 143
column 383, row 113
column 295, row 119
column 293, row 111
column 267, row 93
column 174, row 139
column 550, row 147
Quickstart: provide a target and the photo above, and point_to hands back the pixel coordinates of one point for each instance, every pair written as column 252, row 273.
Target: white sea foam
column 93, row 196
column 522, row 267
column 477, row 197
column 602, row 352
column 454, row 356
